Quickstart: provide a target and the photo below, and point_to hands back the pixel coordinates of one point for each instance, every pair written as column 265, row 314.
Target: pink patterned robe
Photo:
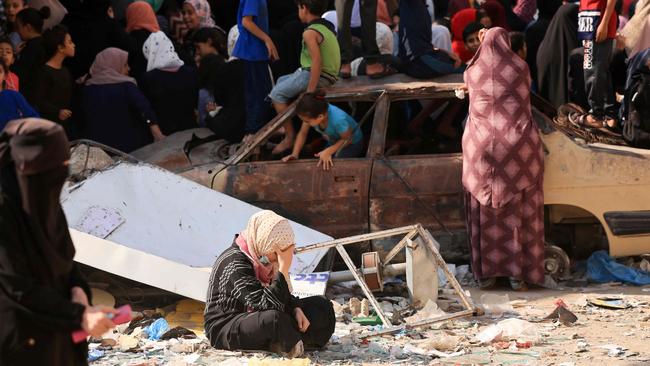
column 503, row 165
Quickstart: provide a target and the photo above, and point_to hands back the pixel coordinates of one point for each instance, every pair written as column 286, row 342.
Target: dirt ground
column 600, row 335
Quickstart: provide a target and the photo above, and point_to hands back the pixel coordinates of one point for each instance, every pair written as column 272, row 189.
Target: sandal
column 487, row 283
column 345, row 74
column 387, row 71
column 518, row 285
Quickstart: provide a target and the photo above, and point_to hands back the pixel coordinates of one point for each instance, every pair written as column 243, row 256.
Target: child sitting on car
column 344, row 138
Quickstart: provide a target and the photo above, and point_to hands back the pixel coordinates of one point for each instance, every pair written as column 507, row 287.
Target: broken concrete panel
column 140, row 266
column 166, row 217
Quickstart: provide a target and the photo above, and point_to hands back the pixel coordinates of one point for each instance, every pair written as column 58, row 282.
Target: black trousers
column 598, row 81
column 271, row 329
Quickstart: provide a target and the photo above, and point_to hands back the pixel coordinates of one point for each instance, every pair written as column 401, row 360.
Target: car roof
column 396, row 84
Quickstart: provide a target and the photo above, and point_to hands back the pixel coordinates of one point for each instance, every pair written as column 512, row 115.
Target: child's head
column 470, row 36
column 310, row 8
column 57, row 40
column 29, row 22
column 12, row 8
column 7, row 52
column 312, row 108
column 210, row 41
column 518, row 44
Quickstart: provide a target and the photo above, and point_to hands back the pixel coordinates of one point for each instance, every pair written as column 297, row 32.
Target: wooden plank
column 397, row 248
column 357, row 238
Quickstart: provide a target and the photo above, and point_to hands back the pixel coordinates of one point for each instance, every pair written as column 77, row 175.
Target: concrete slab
column 173, row 228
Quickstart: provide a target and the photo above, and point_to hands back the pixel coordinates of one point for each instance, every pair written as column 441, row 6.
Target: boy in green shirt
column 320, row 61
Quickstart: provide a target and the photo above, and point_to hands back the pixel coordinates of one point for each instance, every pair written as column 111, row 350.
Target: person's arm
column 139, row 102
column 325, row 156
column 299, row 143
column 24, row 107
column 603, row 27
column 248, row 290
column 43, row 304
column 249, row 24
column 312, row 40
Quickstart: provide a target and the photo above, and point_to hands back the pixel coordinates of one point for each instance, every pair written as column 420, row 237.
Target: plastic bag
column 157, row 329
column 510, row 329
column 496, row 305
column 603, row 268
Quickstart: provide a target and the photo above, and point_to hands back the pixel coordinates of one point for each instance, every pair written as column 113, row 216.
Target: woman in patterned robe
column 503, row 166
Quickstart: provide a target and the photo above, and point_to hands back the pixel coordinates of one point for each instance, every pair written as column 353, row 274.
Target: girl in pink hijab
column 503, row 167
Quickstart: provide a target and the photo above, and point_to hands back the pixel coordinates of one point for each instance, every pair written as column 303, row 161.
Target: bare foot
column 284, row 145
column 346, row 71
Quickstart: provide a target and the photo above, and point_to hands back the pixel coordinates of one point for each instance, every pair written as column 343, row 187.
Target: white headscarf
column 267, row 232
column 384, row 37
column 160, row 54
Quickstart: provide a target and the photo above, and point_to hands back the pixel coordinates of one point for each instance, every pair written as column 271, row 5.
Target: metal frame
column 410, row 232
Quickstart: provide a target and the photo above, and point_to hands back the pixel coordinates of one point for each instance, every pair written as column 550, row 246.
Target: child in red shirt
column 7, row 55
column 597, row 22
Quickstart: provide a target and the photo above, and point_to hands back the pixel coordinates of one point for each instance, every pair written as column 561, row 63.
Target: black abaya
column 553, row 55
column 37, row 272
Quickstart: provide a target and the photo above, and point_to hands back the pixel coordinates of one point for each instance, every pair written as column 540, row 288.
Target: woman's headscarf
column 266, row 232
column 637, row 30
column 502, row 150
column 497, row 14
column 384, row 37
column 525, row 10
column 107, row 68
column 140, row 15
column 33, row 153
column 202, row 8
column 458, row 23
column 553, row 55
column 160, row 53
column 440, row 37
column 57, row 11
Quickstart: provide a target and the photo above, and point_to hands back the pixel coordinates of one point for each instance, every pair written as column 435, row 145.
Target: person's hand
column 620, row 41
column 325, row 160
column 65, row 114
column 301, row 319
column 95, row 322
column 285, row 257
column 289, row 158
column 156, row 133
column 457, row 61
column 77, row 295
column 273, row 52
column 601, row 32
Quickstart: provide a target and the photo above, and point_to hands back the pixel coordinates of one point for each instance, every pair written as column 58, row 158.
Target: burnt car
column 597, row 196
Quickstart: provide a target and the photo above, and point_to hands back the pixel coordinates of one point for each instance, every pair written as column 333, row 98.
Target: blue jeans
column 291, row 86
column 257, row 85
column 351, row 151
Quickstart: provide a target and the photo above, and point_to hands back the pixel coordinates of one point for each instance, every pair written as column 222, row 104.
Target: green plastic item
column 367, row 320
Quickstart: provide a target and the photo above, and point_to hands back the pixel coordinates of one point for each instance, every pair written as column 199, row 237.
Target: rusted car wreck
column 596, row 195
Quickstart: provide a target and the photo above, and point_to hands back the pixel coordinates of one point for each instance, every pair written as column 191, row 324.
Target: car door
column 334, row 202
column 410, row 189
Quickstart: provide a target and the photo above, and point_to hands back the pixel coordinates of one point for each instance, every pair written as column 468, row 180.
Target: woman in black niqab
column 37, row 274
column 553, row 55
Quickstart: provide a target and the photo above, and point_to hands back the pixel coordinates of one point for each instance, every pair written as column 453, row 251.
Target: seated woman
column 343, row 135
column 249, row 305
column 114, row 110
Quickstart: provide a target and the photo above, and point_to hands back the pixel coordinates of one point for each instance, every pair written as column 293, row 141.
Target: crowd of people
column 125, row 73
column 230, row 65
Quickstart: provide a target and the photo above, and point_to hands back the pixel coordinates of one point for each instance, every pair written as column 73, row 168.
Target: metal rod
column 421, row 323
column 426, row 235
column 359, row 278
column 389, row 270
column 357, row 238
column 397, row 248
